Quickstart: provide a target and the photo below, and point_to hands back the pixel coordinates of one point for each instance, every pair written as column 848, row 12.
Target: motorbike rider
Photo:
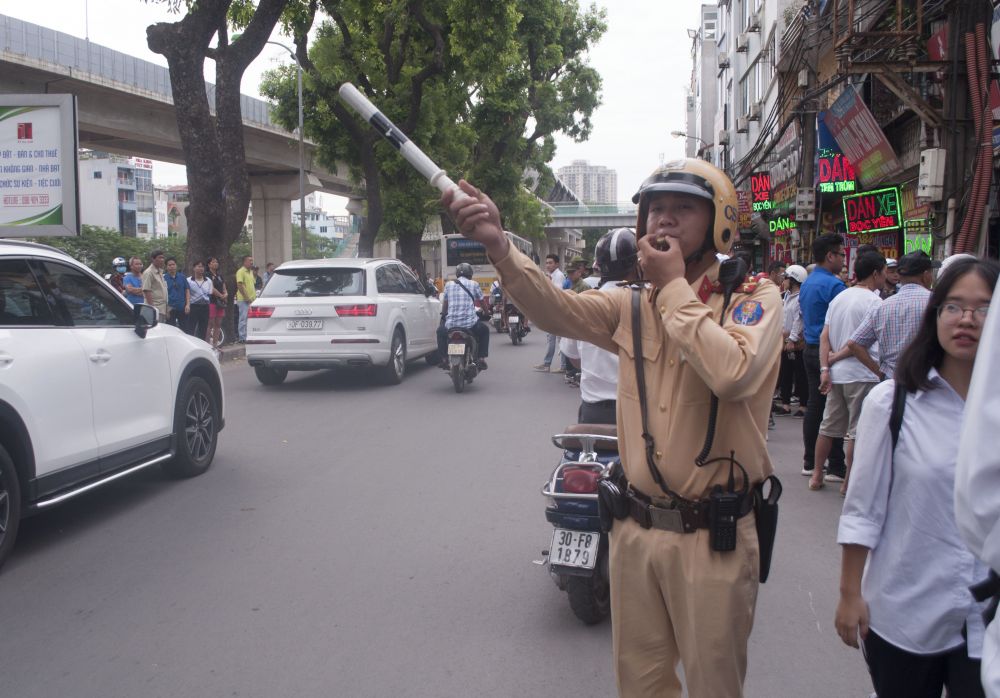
column 615, row 256
column 458, row 308
column 673, row 597
column 117, row 277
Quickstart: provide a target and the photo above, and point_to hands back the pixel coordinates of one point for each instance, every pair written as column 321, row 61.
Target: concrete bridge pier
column 271, row 202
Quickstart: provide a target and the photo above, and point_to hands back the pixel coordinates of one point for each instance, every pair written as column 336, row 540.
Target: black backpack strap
column 896, row 415
column 459, row 282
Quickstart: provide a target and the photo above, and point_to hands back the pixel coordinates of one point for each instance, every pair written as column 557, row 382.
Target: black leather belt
column 603, row 403
column 679, row 516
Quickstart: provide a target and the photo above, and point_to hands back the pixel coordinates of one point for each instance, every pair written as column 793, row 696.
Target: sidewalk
column 232, row 352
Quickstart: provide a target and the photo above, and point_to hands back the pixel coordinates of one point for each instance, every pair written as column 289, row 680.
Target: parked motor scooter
column 462, row 350
column 578, row 555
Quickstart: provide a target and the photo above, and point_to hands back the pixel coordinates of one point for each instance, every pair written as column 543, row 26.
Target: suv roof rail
column 12, row 242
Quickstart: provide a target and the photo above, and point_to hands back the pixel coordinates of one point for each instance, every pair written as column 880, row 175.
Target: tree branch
column 433, row 68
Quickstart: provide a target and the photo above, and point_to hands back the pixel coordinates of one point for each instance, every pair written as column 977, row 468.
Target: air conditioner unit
column 742, row 43
column 754, row 114
column 723, row 60
column 723, row 138
column 755, row 20
column 742, row 125
column 803, row 78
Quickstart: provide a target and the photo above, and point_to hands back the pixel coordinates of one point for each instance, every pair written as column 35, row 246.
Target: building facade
column 592, row 184
column 116, row 193
column 855, row 118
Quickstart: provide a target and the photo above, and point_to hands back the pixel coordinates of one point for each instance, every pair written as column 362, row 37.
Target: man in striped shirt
column 893, row 322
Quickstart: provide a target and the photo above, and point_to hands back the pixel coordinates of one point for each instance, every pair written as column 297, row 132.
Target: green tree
column 213, row 142
column 429, row 65
column 549, row 89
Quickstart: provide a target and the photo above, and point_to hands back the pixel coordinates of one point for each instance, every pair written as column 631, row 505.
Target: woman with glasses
column 919, row 627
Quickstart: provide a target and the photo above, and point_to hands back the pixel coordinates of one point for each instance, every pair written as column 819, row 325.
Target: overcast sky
column 644, row 60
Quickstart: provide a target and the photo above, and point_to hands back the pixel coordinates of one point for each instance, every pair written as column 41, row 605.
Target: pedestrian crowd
column 887, row 364
column 195, row 302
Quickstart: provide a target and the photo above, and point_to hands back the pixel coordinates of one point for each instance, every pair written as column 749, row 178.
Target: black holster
column 765, row 509
column 612, row 497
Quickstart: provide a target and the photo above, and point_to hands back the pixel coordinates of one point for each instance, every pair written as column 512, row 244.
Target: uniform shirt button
column 663, row 309
column 671, row 362
column 659, row 453
column 663, row 408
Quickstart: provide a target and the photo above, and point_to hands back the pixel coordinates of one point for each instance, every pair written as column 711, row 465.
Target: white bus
column 456, row 249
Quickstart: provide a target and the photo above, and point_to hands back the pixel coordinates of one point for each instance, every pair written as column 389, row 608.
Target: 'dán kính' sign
column 760, row 190
column 872, row 211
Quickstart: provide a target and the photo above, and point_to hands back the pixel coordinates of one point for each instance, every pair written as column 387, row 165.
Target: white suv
column 332, row 313
column 91, row 388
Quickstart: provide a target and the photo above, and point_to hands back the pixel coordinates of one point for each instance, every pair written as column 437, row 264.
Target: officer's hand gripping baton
column 413, row 155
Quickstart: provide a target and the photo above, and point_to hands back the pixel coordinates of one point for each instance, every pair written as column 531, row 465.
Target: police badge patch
column 748, row 313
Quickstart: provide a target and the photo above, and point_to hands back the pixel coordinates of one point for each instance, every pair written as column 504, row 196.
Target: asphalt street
column 354, row 539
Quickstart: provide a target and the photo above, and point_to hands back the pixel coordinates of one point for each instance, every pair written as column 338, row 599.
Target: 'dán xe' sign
column 760, row 189
column 872, row 211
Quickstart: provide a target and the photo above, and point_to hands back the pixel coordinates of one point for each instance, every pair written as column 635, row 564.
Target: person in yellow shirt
column 245, row 295
column 683, row 578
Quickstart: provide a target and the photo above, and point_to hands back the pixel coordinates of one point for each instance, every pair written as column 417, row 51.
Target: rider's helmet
column 797, row 272
column 615, row 254
column 464, row 269
column 119, row 262
column 699, row 178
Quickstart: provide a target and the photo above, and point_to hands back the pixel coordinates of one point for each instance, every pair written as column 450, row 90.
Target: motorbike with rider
column 461, row 303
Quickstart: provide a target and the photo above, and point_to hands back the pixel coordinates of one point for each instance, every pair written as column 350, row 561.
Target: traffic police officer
column 673, row 598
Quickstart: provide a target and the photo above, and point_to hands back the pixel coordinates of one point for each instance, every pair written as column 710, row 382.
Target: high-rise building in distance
column 592, row 184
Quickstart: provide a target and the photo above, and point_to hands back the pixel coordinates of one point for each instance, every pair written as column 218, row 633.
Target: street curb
column 232, row 352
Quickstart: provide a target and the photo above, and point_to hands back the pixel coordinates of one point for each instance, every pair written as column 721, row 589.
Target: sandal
column 782, row 411
column 816, row 486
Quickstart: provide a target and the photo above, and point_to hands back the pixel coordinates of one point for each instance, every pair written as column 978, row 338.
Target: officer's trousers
column 675, row 600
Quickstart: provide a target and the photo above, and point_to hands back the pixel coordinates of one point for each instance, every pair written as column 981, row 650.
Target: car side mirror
column 145, row 317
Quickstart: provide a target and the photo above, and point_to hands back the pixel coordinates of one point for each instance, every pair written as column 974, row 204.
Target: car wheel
column 393, row 371
column 270, row 376
column 196, row 430
column 10, row 504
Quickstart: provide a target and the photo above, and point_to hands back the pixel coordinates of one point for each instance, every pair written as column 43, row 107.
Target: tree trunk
column 214, row 156
column 373, row 195
column 408, row 250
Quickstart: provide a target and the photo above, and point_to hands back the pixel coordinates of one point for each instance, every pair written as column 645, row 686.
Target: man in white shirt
column 558, row 278
column 616, row 255
column 977, row 476
column 843, row 379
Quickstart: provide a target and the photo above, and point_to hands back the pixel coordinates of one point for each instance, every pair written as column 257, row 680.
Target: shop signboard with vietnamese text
column 834, row 171
column 744, row 211
column 760, row 190
column 38, row 175
column 860, row 138
column 872, row 211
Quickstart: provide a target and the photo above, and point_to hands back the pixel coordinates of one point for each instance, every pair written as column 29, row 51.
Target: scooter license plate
column 456, row 349
column 496, row 316
column 574, row 548
column 513, row 319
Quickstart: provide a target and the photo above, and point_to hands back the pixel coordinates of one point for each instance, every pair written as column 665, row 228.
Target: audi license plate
column 574, row 548
column 304, row 324
column 513, row 319
column 456, row 349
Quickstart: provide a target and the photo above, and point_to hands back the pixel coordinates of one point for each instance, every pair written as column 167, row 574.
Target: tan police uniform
column 673, row 598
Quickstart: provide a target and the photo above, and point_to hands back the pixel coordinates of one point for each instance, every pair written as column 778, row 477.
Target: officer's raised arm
column 586, row 316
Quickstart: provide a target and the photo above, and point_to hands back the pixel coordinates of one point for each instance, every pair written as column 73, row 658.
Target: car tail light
column 363, row 310
column 260, row 311
column 580, row 480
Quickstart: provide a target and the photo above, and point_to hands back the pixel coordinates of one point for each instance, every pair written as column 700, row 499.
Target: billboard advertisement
column 38, row 182
column 861, row 139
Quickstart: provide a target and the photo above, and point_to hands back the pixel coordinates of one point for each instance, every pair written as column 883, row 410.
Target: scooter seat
column 608, row 430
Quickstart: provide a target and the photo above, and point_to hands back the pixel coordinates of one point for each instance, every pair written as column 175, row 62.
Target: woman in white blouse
column 920, row 628
column 201, row 295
